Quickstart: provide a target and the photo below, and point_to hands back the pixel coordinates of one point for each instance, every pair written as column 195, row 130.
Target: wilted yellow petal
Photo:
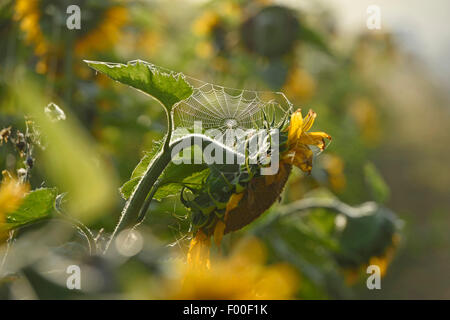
column 233, row 202
column 218, row 232
column 300, row 157
column 308, row 121
column 315, row 139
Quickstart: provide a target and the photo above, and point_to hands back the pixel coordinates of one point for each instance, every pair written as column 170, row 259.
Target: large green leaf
column 165, row 86
column 37, row 205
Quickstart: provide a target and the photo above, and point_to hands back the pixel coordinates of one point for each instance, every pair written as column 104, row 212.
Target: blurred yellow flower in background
column 365, row 115
column 12, row 193
column 27, row 12
column 243, row 275
column 205, row 23
column 300, row 85
column 106, row 34
column 204, row 49
column 103, row 36
column 150, row 42
column 334, row 166
column 230, row 9
column 198, row 254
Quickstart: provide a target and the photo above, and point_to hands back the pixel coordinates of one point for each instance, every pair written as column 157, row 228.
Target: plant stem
column 85, row 231
column 133, row 211
column 325, row 203
column 130, row 212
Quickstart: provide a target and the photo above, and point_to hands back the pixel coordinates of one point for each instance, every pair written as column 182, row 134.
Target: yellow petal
column 300, row 157
column 198, row 254
column 308, row 121
column 218, row 232
column 233, row 202
column 315, row 139
column 295, row 126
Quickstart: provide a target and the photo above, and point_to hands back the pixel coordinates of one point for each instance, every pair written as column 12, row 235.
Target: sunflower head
column 229, row 201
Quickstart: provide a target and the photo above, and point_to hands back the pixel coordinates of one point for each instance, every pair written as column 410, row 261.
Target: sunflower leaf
column 165, row 86
column 37, row 205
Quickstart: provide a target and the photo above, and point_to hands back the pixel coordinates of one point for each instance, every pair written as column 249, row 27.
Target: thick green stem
column 132, row 213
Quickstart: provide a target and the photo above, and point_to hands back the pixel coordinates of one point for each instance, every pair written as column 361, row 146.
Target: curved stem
column 131, row 212
column 134, row 205
column 85, row 231
column 147, row 203
column 325, row 203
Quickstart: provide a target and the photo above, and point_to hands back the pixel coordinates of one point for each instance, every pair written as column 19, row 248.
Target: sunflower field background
column 71, row 137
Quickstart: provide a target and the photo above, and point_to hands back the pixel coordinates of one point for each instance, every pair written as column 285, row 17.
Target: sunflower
column 36, row 22
column 253, row 194
column 242, row 275
column 300, row 85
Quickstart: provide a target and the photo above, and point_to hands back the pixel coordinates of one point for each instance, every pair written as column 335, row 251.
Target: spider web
column 222, row 108
column 218, row 107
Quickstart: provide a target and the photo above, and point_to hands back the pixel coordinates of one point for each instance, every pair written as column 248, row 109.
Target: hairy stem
column 331, row 204
column 130, row 212
column 135, row 208
column 85, row 231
